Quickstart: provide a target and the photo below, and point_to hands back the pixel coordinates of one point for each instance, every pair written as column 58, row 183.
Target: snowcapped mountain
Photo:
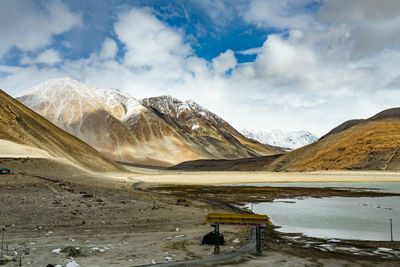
column 291, row 140
column 156, row 131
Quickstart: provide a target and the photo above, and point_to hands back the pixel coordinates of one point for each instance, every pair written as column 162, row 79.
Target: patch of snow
column 236, row 241
column 168, row 258
column 71, row 263
column 153, row 261
column 385, row 249
column 177, row 229
column 56, row 250
column 195, row 127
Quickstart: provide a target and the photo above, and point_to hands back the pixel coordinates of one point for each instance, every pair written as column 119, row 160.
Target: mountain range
column 289, row 140
column 159, row 131
column 165, row 131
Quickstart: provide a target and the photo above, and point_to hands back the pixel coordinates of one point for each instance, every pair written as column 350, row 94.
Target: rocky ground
column 59, row 219
column 103, row 226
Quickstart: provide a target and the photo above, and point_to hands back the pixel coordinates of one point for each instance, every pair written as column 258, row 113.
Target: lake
column 363, row 218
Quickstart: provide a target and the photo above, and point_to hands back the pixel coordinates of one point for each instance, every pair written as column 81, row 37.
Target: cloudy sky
column 259, row 64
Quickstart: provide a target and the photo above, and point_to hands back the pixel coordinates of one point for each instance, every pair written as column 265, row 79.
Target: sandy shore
column 210, row 178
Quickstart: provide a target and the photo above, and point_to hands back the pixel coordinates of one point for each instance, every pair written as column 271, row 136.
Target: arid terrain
column 116, row 221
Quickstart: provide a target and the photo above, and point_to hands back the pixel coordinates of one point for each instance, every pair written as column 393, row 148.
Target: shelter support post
column 216, row 248
column 258, row 240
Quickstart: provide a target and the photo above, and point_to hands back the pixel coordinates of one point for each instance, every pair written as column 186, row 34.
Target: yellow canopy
column 237, row 219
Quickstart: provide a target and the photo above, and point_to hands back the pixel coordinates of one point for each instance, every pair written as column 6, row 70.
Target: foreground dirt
column 111, row 226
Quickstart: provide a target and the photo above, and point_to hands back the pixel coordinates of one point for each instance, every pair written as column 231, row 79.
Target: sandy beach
column 208, row 178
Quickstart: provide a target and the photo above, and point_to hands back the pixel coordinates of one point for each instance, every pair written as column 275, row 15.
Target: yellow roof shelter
column 237, row 219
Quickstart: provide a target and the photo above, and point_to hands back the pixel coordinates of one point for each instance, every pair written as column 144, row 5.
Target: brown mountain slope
column 372, row 144
column 204, row 131
column 21, row 125
column 246, row 164
column 160, row 131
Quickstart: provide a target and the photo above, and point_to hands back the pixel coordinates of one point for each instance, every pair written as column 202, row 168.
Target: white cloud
column 224, row 62
column 109, row 49
column 148, row 41
column 49, row 57
column 26, row 25
column 372, row 25
column 220, row 12
column 289, row 14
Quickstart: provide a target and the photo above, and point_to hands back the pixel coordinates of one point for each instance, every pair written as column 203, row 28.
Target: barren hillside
column 20, row 125
column 371, row 144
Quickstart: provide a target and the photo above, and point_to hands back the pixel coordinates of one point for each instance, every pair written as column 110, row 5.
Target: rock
column 72, row 251
column 209, row 239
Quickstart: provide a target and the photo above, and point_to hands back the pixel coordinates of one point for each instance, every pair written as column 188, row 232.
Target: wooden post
column 216, row 248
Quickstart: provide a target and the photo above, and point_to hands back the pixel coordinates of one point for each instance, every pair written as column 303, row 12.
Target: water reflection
column 364, row 218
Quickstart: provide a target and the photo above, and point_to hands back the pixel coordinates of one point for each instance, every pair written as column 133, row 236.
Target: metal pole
column 216, row 248
column 258, row 240
column 391, row 230
column 2, row 240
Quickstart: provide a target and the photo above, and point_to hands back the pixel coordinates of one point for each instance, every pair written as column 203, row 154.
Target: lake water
column 364, row 218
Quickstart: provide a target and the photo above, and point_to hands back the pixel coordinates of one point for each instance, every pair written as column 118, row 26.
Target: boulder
column 210, row 238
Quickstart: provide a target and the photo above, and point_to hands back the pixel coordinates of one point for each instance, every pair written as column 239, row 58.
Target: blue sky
column 259, row 64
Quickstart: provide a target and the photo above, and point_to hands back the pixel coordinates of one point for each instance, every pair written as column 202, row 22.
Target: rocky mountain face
column 159, row 131
column 290, row 140
column 368, row 144
column 25, row 130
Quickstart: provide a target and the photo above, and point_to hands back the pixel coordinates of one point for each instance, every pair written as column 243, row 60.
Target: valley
column 125, row 202
column 114, row 220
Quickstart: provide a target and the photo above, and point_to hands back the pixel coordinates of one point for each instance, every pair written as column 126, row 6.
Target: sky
column 259, row 64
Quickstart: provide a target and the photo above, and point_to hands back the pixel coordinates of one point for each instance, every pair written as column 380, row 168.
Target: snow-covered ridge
column 176, row 108
column 77, row 98
column 291, row 140
column 59, row 93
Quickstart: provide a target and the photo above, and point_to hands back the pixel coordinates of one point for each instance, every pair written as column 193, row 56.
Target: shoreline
column 215, row 178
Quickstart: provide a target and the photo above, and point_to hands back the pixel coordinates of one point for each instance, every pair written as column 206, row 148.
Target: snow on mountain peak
column 61, row 93
column 276, row 137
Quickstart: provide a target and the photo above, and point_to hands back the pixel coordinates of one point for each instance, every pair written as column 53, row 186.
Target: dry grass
column 369, row 145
